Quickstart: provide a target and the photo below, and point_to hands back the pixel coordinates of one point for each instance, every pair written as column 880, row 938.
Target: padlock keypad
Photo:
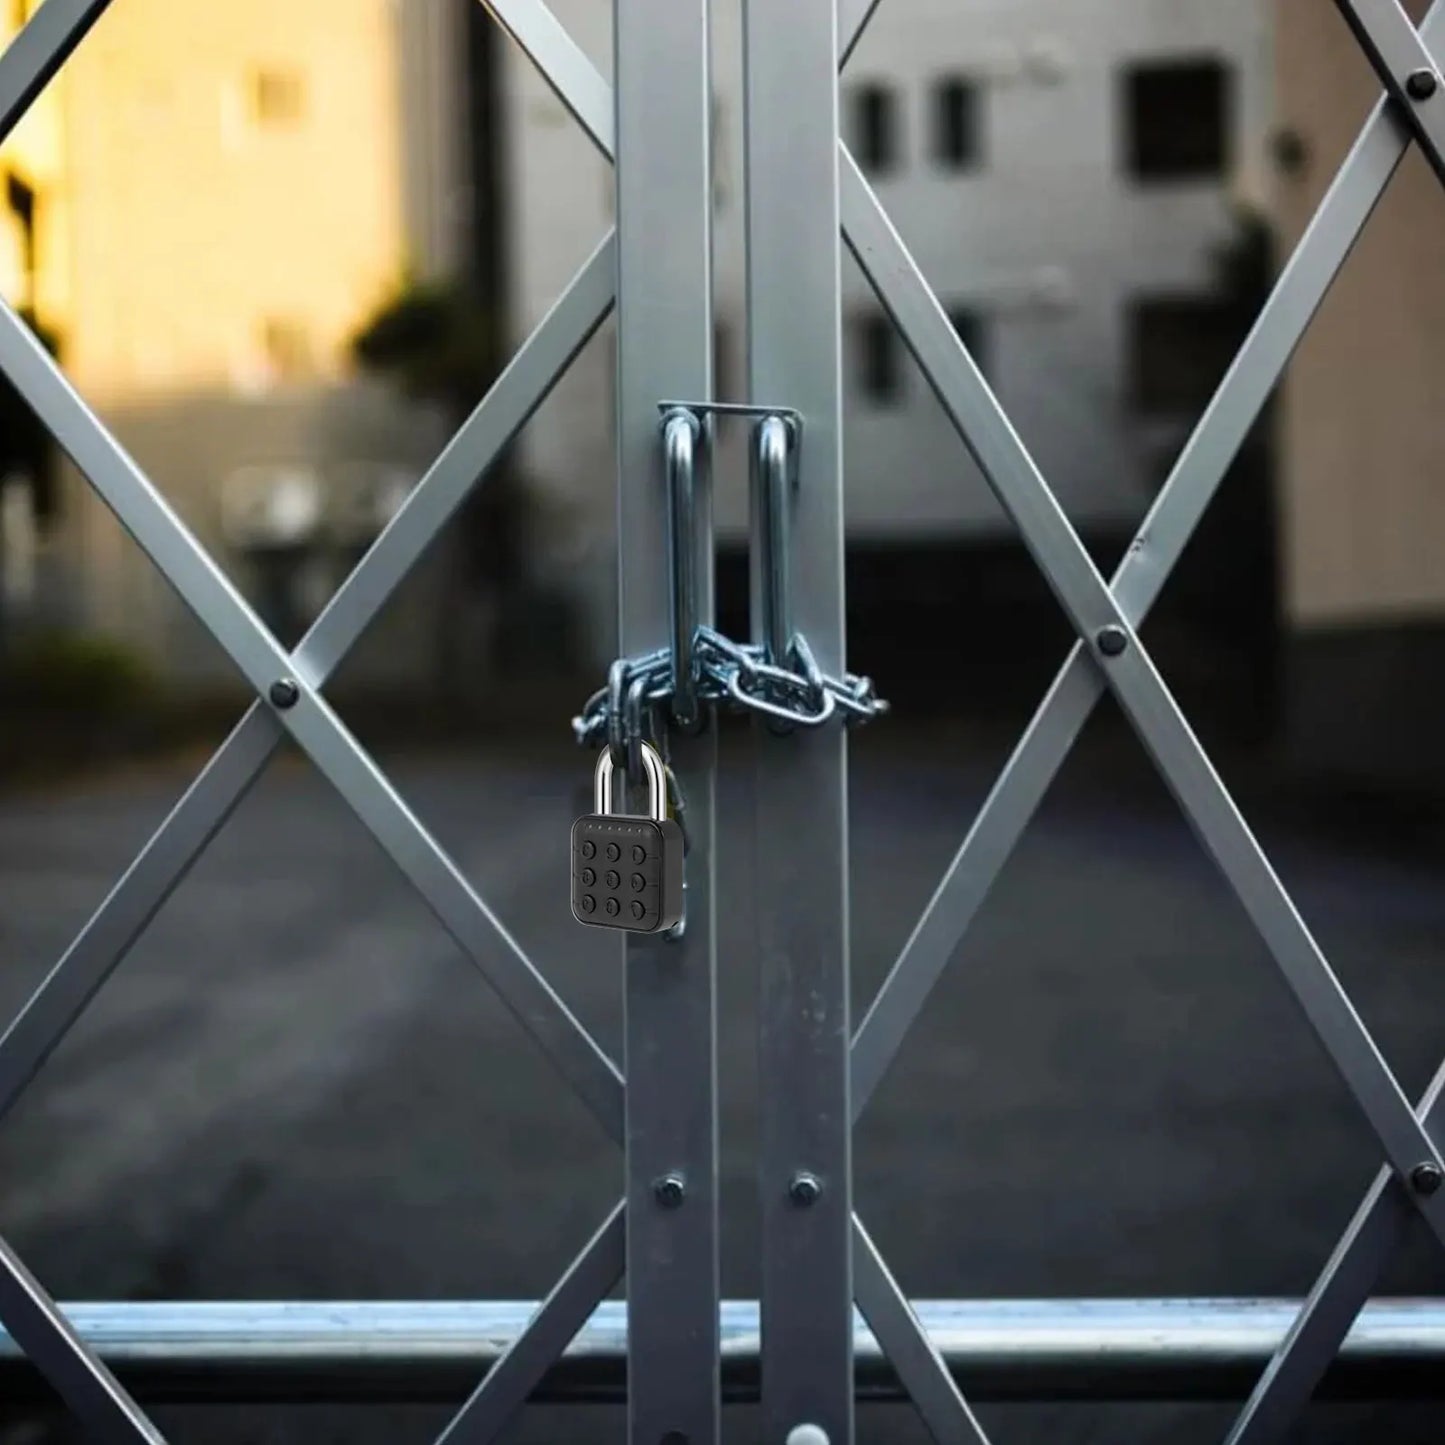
column 622, row 872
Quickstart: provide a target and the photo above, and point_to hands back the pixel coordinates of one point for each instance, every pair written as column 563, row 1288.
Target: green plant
column 441, row 343
column 437, row 341
column 63, row 670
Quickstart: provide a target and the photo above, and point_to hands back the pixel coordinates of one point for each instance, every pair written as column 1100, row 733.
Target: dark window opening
column 25, row 445
column 968, row 326
column 879, row 358
column 287, row 347
column 724, row 360
column 875, row 128
column 1176, row 119
column 1178, row 348
column 278, row 97
column 21, row 200
column 956, row 141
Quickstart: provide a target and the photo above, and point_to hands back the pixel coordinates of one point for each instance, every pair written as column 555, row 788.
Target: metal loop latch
column 773, row 476
column 776, row 675
column 681, row 433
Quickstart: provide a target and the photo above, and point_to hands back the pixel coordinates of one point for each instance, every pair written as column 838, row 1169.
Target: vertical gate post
column 790, row 56
column 664, row 341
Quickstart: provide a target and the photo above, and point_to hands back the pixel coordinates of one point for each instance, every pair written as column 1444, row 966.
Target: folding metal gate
column 804, row 190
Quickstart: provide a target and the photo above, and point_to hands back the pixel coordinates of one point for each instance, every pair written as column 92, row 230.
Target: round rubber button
column 612, row 906
column 589, row 877
column 613, row 880
column 588, row 903
column 638, row 882
column 589, row 848
column 637, row 908
column 613, row 852
column 639, row 853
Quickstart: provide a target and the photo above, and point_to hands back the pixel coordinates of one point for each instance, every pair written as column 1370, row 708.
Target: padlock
column 627, row 871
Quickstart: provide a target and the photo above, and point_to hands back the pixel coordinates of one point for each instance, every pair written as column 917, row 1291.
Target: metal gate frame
column 818, row 1258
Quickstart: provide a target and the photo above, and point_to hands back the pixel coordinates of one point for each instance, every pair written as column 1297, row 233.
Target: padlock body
column 627, row 872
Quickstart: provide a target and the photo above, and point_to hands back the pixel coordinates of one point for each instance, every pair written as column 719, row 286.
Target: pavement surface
column 295, row 1087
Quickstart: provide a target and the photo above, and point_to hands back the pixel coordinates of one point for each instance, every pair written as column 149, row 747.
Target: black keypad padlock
column 627, row 871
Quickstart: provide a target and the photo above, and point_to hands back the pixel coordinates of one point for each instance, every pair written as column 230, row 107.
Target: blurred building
column 28, row 230
column 204, row 207
column 1363, row 448
column 1066, row 172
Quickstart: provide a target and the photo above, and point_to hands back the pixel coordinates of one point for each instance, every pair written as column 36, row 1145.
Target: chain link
column 633, row 704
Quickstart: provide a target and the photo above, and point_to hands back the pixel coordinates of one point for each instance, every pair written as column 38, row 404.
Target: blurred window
column 878, row 358
column 1176, row 119
column 724, row 359
column 875, row 128
column 288, row 348
column 21, row 199
column 969, row 328
column 1178, row 348
column 721, row 162
column 278, row 97
column 956, row 142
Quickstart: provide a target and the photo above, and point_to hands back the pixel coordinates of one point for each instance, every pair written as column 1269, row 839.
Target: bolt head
column 1112, row 640
column 1426, row 1178
column 284, row 693
column 804, row 1189
column 807, row 1435
column 1421, row 84
column 669, row 1191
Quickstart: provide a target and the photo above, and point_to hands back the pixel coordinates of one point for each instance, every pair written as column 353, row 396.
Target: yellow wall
column 180, row 227
column 1363, row 455
column 35, row 153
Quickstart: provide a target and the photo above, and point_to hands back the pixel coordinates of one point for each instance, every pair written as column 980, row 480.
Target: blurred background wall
column 204, row 208
column 1362, row 479
column 241, row 227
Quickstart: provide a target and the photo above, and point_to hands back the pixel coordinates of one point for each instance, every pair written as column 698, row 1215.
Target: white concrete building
column 1064, row 172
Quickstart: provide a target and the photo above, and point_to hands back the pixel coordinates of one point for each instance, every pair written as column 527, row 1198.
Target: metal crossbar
column 1108, row 643
column 38, row 50
column 801, row 891
column 1334, row 1304
column 917, row 1358
column 665, row 348
column 76, row 1375
column 1108, row 656
column 180, row 839
column 584, row 93
column 1106, row 628
column 514, row 1378
column 1148, row 562
column 37, row 53
column 1129, row 672
column 430, row 1352
column 318, row 731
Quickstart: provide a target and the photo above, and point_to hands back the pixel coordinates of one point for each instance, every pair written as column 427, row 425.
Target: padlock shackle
column 602, row 789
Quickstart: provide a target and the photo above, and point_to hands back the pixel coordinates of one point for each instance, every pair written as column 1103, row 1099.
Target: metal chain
column 633, row 703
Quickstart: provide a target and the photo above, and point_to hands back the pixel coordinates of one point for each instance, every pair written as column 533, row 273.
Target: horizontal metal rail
column 1015, row 1350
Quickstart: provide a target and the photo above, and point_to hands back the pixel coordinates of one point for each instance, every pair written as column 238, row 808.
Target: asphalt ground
column 295, row 1087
